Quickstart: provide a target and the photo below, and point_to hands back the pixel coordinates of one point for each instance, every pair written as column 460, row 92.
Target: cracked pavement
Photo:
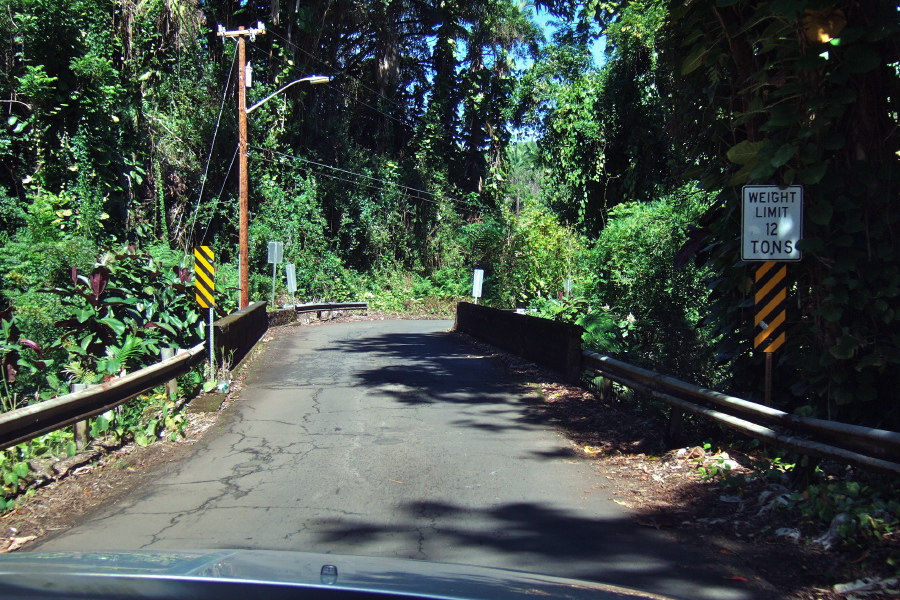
column 393, row 438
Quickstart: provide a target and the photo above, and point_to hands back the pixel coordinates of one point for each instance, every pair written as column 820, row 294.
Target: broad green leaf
column 821, row 213
column 780, row 116
column 789, row 176
column 741, row 176
column 845, row 348
column 694, row 60
column 783, row 154
column 116, row 325
column 831, row 313
column 814, row 173
column 743, row 152
column 22, row 470
column 86, row 341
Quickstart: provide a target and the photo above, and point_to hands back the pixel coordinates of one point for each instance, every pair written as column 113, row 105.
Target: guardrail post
column 82, row 436
column 172, row 384
column 605, row 389
column 673, row 432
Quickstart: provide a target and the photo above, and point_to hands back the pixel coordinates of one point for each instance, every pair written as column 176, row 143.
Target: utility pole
column 243, row 185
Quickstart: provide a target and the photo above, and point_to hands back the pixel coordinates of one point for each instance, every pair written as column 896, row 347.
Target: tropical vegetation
column 600, row 190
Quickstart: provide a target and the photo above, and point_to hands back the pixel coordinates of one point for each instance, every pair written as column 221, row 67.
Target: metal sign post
column 205, row 285
column 771, row 227
column 276, row 251
column 477, row 280
column 770, row 314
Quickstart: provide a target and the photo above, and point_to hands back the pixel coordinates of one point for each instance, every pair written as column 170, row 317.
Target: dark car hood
column 253, row 573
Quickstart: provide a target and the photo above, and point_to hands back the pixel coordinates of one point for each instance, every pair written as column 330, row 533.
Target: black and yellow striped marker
column 204, row 276
column 770, row 306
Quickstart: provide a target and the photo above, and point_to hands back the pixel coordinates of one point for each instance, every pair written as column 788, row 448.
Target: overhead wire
column 286, row 63
column 330, row 66
column 452, row 199
column 457, row 201
column 411, row 191
column 343, row 179
column 212, row 145
column 348, row 96
column 450, row 144
column 215, row 205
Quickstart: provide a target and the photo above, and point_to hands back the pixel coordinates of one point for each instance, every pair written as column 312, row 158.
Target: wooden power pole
column 243, row 185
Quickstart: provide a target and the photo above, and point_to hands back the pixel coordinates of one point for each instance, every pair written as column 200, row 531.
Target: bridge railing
column 533, row 338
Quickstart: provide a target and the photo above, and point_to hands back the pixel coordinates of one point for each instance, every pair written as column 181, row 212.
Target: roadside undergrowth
column 787, row 527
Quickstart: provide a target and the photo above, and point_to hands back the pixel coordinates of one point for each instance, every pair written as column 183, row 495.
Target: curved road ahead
column 390, row 438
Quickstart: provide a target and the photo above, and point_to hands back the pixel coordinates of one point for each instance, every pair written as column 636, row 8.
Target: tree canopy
column 460, row 133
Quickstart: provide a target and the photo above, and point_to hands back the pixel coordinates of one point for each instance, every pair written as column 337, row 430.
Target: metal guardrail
column 236, row 335
column 23, row 424
column 870, row 449
column 330, row 306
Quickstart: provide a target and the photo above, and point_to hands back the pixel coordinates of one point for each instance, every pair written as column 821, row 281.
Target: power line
column 330, row 66
column 219, row 197
column 211, row 147
column 345, row 180
column 384, row 181
column 450, row 143
column 345, row 94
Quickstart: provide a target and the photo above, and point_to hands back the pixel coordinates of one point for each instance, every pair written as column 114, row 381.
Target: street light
column 244, row 220
column 312, row 80
column 243, row 186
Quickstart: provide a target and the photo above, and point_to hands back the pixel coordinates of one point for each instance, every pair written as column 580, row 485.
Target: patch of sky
column 549, row 26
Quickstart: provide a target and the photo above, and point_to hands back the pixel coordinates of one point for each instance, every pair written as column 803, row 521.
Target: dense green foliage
column 453, row 135
column 802, row 92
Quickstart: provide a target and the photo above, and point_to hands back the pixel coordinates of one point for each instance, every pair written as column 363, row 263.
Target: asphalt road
column 391, row 438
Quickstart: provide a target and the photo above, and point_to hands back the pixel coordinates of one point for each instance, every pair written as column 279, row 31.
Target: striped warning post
column 770, row 306
column 204, row 276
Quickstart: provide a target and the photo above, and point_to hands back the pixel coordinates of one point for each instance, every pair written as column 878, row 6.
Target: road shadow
column 443, row 367
column 421, row 369
column 542, row 539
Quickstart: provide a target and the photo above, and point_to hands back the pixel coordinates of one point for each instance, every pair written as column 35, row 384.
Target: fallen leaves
column 14, row 543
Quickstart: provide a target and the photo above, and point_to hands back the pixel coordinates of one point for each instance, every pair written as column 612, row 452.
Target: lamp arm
column 275, row 93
